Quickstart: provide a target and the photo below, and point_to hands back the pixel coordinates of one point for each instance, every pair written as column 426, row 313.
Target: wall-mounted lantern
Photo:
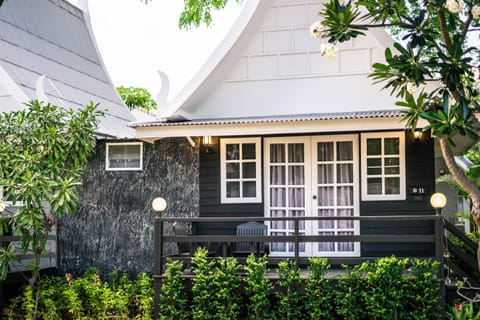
column 208, row 142
column 159, row 205
column 417, row 134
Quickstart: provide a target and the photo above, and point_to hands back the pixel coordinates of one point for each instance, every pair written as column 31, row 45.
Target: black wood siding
column 210, row 203
column 419, row 164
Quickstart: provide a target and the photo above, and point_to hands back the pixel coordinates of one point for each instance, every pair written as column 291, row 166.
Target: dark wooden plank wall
column 210, row 204
column 420, row 166
column 420, row 172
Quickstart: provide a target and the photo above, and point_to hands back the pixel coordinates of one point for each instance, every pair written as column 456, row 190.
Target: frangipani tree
column 43, row 152
column 432, row 70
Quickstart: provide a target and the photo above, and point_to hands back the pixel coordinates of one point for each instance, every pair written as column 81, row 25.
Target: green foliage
column 318, row 291
column 142, row 296
column 86, row 298
column 173, row 299
column 350, row 294
column 196, row 12
column 463, row 311
column 227, row 281
column 258, row 288
column 388, row 288
column 203, row 289
column 394, row 294
column 137, row 98
column 289, row 298
column 43, row 152
column 215, row 287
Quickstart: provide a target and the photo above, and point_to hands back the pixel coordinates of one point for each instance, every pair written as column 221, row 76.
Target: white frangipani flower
column 476, row 11
column 329, row 50
column 454, row 6
column 411, row 87
column 317, row 30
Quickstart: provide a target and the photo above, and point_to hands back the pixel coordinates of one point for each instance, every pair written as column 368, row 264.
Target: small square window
column 240, row 170
column 124, row 156
column 383, row 166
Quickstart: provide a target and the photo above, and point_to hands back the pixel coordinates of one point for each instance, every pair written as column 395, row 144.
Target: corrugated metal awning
column 273, row 119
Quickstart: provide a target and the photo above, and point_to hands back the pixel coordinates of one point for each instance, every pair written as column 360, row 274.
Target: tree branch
column 443, row 27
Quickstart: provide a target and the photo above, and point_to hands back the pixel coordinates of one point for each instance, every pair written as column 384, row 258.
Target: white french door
column 312, row 176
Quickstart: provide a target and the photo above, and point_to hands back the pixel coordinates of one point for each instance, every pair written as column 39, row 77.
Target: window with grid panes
column 240, row 170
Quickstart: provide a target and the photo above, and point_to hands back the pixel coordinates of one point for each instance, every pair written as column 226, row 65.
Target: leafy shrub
column 318, row 290
column 87, row 297
column 350, row 294
column 289, row 299
column 203, row 289
column 227, row 297
column 257, row 288
column 173, row 299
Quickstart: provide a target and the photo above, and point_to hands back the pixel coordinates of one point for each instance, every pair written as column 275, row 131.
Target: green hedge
column 388, row 288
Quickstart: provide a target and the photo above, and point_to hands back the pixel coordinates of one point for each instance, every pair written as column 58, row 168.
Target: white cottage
column 288, row 133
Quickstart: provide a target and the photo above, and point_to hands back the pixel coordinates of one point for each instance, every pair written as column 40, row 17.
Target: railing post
column 439, row 256
column 297, row 244
column 158, row 262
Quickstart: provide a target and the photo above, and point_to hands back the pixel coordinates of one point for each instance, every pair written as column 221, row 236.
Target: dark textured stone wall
column 113, row 226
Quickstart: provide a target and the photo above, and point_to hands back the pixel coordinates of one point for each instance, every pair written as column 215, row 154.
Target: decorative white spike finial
column 40, row 89
column 163, row 93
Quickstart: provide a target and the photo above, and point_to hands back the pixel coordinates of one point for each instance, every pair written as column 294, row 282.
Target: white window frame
column 107, row 160
column 383, row 197
column 223, row 170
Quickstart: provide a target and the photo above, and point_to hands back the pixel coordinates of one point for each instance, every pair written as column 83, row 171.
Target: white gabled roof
column 268, row 65
column 53, row 38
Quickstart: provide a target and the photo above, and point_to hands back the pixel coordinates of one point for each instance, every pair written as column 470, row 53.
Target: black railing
column 435, row 237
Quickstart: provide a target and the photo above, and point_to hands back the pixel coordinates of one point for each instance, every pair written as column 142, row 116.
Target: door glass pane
column 374, row 147
column 233, row 151
column 278, row 224
column 345, row 246
column 326, row 196
column 374, row 185
column 277, row 153
column 295, row 152
column 233, row 170
column 345, row 196
column 344, row 150
column 325, row 151
column 296, row 197
column 248, row 151
column 296, row 175
column 392, row 185
column 249, row 170
column 345, row 173
column 326, row 224
column 249, row 189
column 392, row 146
column 277, row 175
column 345, row 224
column 326, row 246
column 277, row 197
column 233, row 189
column 325, row 173
column 301, row 223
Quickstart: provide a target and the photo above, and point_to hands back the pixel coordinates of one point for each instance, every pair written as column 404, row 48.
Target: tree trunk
column 468, row 185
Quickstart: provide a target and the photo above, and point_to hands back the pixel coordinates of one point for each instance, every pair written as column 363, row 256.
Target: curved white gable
column 272, row 66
